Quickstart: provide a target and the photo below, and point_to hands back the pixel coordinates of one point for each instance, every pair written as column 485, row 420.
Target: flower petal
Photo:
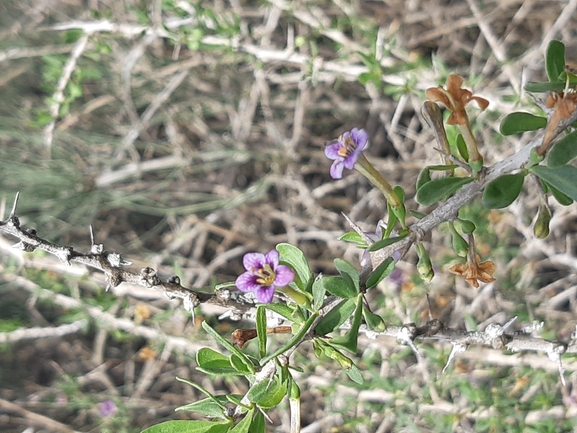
column 284, row 276
column 481, row 102
column 337, row 169
column 437, row 94
column 360, row 137
column 247, row 282
column 350, row 161
column 272, row 258
column 332, row 150
column 253, row 261
column 265, row 294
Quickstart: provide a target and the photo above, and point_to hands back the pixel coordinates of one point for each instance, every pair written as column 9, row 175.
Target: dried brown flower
column 476, row 271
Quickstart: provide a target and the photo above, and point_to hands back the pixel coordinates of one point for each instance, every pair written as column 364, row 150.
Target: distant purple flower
column 346, row 151
column 263, row 274
column 107, row 408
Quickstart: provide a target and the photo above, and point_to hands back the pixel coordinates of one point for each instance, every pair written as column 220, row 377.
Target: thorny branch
column 112, row 265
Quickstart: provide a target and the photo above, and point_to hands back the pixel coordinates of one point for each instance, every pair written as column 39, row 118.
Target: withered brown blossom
column 475, row 271
column 455, row 99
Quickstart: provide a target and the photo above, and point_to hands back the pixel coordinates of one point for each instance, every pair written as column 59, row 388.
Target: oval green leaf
column 503, row 191
column 336, row 317
column 267, row 394
column 213, row 407
column 564, row 178
column 211, row 362
column 382, row 272
column 190, row 427
column 338, row 286
column 519, row 122
column 349, row 273
column 439, row 189
column 563, row 151
column 292, row 256
column 555, row 60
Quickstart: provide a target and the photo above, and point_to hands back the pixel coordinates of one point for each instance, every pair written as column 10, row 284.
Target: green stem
column 364, row 167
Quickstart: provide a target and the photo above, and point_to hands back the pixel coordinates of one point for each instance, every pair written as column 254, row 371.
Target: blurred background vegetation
column 189, row 133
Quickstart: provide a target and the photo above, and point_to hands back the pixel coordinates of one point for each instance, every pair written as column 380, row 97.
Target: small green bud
column 424, row 266
column 460, row 245
column 295, row 391
column 541, row 227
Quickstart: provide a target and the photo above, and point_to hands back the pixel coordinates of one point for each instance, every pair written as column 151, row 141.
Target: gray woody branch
column 112, row 265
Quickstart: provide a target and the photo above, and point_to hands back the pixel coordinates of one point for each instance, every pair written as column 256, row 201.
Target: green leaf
column 561, row 198
column 443, row 167
column 374, row 321
column 258, row 425
column 208, row 407
column 384, row 243
column 261, row 329
column 519, row 122
column 281, row 309
column 240, row 366
column 503, row 191
column 462, row 147
column 352, row 237
column 336, row 317
column 424, row 177
column 267, row 394
column 555, row 60
column 564, row 178
column 563, row 151
column 211, row 362
column 292, row 256
column 355, row 374
column 244, row 425
column 190, row 427
column 548, row 87
column 337, row 286
column 348, row 272
column 440, row 189
column 382, row 272
column 318, row 293
column 349, row 341
column 230, row 347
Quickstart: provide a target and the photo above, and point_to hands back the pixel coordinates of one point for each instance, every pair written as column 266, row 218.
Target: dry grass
column 188, row 158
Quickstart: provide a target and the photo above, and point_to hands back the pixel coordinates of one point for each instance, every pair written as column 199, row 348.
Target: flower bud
column 424, row 266
column 541, row 227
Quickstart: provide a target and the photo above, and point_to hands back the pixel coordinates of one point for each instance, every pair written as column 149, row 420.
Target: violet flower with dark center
column 264, row 274
column 345, row 152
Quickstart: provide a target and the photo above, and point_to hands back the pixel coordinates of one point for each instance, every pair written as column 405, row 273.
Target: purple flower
column 108, row 408
column 346, row 151
column 263, row 274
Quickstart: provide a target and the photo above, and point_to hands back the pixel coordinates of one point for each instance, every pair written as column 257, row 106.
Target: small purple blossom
column 263, row 274
column 346, row 151
column 107, row 408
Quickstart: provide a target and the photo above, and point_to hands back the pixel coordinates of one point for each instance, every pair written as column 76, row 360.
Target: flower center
column 348, row 147
column 266, row 275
